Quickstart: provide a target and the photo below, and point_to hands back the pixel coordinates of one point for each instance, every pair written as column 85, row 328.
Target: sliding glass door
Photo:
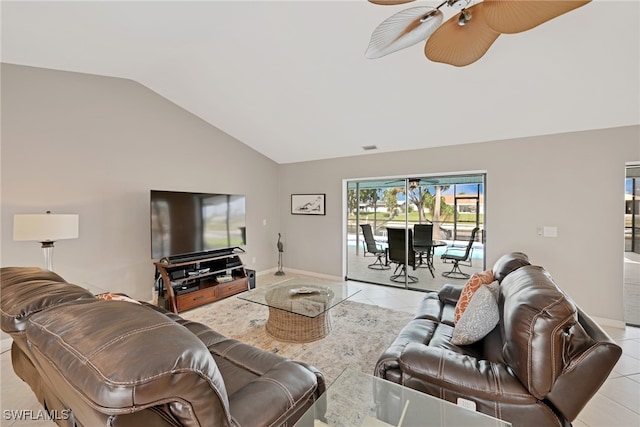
column 398, row 228
column 632, row 210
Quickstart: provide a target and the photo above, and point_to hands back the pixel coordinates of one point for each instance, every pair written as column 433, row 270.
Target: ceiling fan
column 465, row 37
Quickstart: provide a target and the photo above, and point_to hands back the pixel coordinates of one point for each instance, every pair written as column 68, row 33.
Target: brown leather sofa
column 92, row 362
column 538, row 367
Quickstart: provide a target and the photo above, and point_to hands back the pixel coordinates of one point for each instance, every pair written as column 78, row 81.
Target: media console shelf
column 201, row 279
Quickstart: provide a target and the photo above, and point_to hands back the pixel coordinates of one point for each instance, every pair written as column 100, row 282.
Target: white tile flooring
column 617, row 404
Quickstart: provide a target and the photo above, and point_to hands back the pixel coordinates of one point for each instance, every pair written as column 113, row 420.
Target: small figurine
column 280, row 251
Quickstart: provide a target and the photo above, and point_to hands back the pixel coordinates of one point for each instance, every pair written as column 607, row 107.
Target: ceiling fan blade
column 390, row 2
column 461, row 45
column 403, row 29
column 515, row 16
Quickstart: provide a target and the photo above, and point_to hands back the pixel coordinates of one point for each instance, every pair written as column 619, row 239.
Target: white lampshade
column 45, row 227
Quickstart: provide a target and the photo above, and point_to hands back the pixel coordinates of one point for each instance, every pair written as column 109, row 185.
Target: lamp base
column 47, row 248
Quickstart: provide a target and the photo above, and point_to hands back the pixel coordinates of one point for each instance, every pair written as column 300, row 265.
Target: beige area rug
column 361, row 332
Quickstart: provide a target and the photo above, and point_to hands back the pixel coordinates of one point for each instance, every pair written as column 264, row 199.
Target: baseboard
column 313, row 274
column 5, row 344
column 266, row 272
column 604, row 322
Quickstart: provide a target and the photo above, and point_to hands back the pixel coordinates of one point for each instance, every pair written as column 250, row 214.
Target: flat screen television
column 185, row 224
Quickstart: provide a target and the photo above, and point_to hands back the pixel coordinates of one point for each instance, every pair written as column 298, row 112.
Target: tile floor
column 617, row 404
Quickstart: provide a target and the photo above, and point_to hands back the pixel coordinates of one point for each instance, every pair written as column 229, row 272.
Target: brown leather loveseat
column 538, row 367
column 92, row 362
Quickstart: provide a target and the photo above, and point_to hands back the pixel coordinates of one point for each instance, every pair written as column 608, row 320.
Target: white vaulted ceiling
column 289, row 78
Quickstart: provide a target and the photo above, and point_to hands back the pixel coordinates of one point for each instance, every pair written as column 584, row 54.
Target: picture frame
column 308, row 204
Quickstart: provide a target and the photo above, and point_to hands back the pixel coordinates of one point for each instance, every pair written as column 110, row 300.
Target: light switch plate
column 465, row 403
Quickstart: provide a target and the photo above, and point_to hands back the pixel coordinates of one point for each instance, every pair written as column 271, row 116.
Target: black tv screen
column 189, row 223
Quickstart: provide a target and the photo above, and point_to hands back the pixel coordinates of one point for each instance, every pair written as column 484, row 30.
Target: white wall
column 94, row 145
column 78, row 143
column 571, row 181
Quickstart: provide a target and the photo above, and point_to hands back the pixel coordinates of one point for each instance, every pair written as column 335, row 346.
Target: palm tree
column 391, row 202
column 417, row 195
column 423, row 199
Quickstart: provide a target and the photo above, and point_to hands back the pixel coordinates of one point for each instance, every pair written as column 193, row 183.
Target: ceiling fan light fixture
column 465, row 16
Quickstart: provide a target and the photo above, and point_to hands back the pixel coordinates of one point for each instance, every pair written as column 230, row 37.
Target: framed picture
column 308, row 204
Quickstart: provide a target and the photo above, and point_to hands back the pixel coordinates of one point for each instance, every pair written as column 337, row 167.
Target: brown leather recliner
column 539, row 367
column 92, row 362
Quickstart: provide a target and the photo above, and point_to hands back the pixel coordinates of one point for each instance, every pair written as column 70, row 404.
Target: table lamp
column 46, row 229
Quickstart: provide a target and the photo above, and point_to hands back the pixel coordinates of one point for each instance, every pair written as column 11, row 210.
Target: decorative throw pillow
column 475, row 281
column 116, row 297
column 480, row 317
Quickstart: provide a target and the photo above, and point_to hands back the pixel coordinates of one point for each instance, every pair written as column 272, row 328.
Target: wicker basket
column 286, row 324
column 292, row 327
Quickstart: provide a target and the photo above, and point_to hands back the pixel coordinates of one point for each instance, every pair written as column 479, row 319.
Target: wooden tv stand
column 192, row 282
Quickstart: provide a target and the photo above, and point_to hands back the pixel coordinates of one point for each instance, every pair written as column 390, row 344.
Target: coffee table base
column 291, row 327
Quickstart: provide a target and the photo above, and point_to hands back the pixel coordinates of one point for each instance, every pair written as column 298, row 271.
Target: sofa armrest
column 322, row 386
column 450, row 294
column 453, row 374
column 274, row 397
column 593, row 356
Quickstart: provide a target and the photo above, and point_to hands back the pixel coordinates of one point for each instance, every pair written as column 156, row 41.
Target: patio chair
column 398, row 254
column 458, row 254
column 423, row 245
column 374, row 248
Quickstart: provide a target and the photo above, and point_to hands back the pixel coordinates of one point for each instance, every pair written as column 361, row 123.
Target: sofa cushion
column 473, row 284
column 536, row 316
column 480, row 317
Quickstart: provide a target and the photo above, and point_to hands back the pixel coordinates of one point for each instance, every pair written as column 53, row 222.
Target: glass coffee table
column 299, row 309
column 356, row 399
